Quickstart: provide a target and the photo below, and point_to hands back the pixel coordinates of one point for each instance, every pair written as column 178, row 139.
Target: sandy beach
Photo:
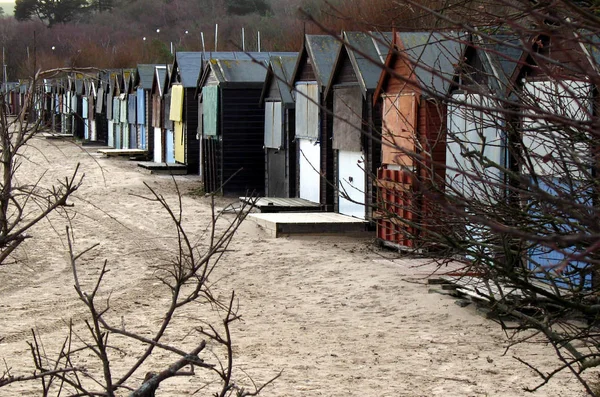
column 338, row 315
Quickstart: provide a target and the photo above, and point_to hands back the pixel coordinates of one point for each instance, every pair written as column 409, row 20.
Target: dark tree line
column 58, row 11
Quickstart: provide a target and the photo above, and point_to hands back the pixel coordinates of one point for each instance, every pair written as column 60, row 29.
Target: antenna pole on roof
column 34, row 54
column 203, row 47
column 216, row 35
column 4, row 70
column 258, row 41
column 243, row 40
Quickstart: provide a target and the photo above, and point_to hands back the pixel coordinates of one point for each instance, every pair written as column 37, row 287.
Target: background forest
column 119, row 33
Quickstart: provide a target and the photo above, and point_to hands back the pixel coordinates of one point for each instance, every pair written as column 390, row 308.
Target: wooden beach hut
column 356, row 134
column 413, row 131
column 187, row 67
column 144, row 79
column 159, row 86
column 313, row 122
column 280, row 124
column 233, row 126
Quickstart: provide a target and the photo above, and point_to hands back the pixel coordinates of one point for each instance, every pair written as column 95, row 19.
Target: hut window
column 347, row 118
column 273, row 127
column 307, row 111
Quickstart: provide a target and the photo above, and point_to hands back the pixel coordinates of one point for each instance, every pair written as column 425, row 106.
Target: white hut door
column 310, row 176
column 351, row 184
column 307, row 133
column 158, row 149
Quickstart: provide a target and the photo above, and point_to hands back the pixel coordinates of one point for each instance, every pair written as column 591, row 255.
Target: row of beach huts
column 330, row 124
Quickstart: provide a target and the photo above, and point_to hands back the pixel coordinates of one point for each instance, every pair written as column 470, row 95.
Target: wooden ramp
column 52, row 135
column 275, row 204
column 287, row 223
column 163, row 168
column 135, row 153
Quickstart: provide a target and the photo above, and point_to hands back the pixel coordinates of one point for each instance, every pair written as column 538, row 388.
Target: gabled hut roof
column 160, row 78
column 432, row 56
column 367, row 53
column 500, row 55
column 322, row 50
column 188, row 65
column 128, row 79
column 145, row 74
column 279, row 72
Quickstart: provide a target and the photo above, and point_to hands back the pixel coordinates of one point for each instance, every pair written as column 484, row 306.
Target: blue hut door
column 560, row 160
column 141, row 119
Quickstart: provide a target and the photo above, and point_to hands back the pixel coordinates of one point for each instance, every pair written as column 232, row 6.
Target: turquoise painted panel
column 210, row 109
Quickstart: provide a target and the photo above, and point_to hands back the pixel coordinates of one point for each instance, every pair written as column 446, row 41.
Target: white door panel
column 351, row 184
column 310, row 170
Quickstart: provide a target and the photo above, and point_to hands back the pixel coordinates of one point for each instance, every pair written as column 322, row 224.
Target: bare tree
column 24, row 205
column 84, row 364
column 187, row 280
column 505, row 177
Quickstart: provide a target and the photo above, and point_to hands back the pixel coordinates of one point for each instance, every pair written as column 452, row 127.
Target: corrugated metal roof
column 434, row 56
column 322, row 49
column 189, row 65
column 146, row 74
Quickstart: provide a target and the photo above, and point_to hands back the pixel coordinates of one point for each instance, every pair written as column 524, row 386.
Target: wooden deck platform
column 163, row 168
column 53, row 135
column 288, row 223
column 275, row 204
column 136, row 153
column 478, row 288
